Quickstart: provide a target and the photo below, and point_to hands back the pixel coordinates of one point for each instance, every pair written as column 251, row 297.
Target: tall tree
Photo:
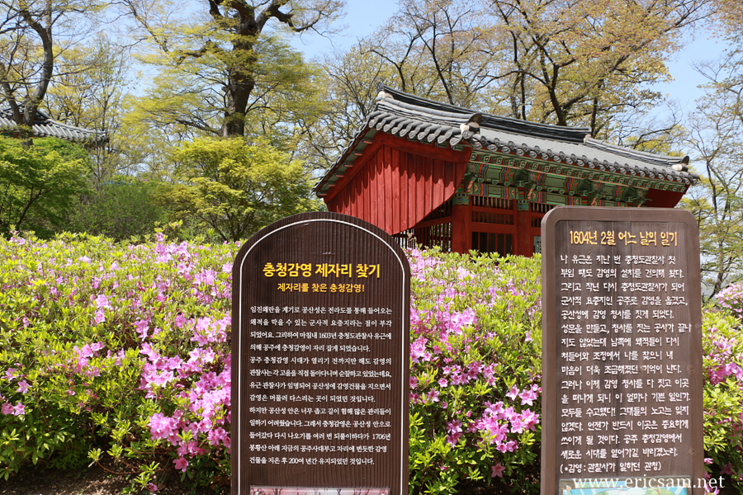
column 231, row 56
column 32, row 35
column 586, row 60
column 89, row 92
column 565, row 62
column 730, row 13
column 717, row 203
column 439, row 49
column 349, row 89
column 716, row 133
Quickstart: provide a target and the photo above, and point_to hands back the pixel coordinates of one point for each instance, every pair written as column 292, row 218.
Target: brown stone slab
column 320, row 358
column 622, row 347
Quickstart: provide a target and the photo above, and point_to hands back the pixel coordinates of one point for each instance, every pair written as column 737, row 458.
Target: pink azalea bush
column 723, row 395
column 731, row 298
column 119, row 355
column 475, row 373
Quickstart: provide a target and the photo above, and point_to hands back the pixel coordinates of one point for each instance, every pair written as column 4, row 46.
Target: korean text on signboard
column 320, row 358
column 621, row 346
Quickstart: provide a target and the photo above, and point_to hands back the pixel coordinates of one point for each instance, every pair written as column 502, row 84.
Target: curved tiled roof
column 44, row 126
column 415, row 118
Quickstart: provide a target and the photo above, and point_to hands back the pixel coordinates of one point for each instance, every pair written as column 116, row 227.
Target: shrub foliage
column 117, row 354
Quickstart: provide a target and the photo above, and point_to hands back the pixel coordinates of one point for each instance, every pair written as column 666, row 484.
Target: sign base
column 290, row 490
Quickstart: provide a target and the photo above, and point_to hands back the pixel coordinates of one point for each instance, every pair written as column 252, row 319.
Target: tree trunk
column 239, row 89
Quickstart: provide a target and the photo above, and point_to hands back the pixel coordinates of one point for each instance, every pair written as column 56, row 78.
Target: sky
column 363, row 17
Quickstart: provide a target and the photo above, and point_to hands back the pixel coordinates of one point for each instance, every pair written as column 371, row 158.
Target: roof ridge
column 632, row 153
column 572, row 134
column 45, row 126
column 462, row 117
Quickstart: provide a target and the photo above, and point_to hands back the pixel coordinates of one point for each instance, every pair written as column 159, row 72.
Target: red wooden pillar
column 461, row 227
column 524, row 239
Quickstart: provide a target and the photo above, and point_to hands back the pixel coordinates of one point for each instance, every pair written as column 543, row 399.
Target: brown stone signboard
column 320, row 357
column 622, row 352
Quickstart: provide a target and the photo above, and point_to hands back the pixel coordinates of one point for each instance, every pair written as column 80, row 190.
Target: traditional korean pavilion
column 461, row 180
column 45, row 126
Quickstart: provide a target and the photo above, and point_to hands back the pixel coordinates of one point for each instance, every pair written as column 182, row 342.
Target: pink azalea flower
column 142, row 328
column 454, row 426
column 529, row 419
column 498, row 471
column 10, row 374
column 22, row 386
column 163, row 378
column 528, row 397
column 208, row 356
column 513, row 393
column 6, row 408
column 418, row 350
column 161, row 426
column 216, row 435
column 86, row 351
column 453, row 438
column 152, row 487
column 517, row 425
column 19, row 409
column 102, row 302
column 413, row 382
column 181, row 463
column 414, row 318
column 509, row 413
column 100, row 316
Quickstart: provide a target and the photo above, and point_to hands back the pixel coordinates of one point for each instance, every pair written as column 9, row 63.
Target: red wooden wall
column 396, row 183
column 663, row 199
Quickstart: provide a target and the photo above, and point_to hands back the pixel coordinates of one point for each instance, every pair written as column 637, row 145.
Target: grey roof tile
column 44, row 126
column 412, row 117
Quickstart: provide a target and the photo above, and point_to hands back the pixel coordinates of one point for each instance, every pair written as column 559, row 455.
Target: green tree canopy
column 237, row 188
column 39, row 184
